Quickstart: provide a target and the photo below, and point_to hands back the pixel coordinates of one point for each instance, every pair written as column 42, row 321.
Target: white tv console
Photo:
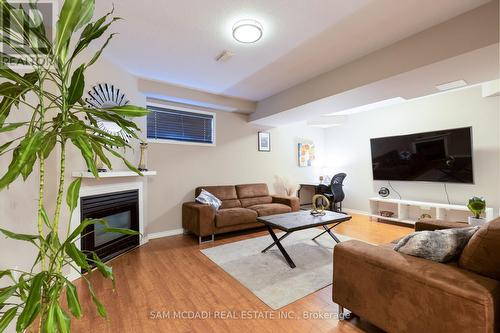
column 408, row 211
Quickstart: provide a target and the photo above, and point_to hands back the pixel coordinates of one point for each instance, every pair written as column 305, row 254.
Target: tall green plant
column 58, row 118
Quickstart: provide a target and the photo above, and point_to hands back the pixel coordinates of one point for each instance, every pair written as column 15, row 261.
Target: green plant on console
column 477, row 206
column 53, row 78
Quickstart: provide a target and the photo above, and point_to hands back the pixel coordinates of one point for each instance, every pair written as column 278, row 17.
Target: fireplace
column 120, row 210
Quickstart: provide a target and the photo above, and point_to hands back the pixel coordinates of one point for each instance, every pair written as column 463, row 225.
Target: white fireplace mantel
column 111, row 174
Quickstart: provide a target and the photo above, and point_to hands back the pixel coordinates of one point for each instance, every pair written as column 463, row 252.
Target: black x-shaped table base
column 277, row 241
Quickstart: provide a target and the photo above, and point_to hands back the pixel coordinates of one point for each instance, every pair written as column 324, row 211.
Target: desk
column 305, row 199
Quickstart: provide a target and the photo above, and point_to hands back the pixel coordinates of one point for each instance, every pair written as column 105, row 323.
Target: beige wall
column 234, row 160
column 450, row 110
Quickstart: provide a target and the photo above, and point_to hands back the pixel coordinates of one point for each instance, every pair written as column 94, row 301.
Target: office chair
column 336, row 193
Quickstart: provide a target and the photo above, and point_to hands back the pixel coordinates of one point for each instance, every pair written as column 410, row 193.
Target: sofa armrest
column 293, row 202
column 434, row 224
column 198, row 218
column 399, row 293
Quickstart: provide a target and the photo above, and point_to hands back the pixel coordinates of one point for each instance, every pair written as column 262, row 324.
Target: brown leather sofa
column 401, row 293
column 241, row 205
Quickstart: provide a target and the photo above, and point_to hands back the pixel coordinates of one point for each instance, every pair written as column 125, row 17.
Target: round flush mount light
column 247, row 31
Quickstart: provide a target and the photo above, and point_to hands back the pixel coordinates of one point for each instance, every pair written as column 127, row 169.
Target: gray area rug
column 268, row 275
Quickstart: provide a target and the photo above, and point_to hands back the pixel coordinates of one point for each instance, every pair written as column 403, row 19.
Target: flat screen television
column 440, row 156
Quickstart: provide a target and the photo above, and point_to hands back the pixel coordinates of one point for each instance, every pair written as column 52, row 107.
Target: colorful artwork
column 306, row 154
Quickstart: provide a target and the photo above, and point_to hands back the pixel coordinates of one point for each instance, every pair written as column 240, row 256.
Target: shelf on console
column 409, row 211
column 110, row 174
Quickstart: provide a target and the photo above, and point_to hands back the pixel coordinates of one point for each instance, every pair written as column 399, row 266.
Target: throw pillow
column 208, row 198
column 440, row 245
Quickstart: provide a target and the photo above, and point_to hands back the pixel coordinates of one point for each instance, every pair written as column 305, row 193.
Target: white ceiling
column 177, row 41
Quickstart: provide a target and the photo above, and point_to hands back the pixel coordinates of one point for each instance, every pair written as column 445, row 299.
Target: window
column 180, row 125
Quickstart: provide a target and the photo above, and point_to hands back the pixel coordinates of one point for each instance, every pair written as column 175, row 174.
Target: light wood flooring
column 171, row 274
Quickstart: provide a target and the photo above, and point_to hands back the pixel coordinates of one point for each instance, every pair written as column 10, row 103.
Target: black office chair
column 335, row 193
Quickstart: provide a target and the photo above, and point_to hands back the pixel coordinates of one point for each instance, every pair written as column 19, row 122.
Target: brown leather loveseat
column 241, row 205
column 401, row 293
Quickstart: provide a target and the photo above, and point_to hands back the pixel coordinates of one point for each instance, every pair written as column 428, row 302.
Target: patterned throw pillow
column 440, row 245
column 208, row 198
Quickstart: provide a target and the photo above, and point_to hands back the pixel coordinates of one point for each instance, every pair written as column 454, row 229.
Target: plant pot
column 476, row 222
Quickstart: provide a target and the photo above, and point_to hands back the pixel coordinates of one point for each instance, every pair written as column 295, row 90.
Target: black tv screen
column 440, row 156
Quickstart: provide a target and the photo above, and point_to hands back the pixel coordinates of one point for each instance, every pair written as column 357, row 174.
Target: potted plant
column 477, row 206
column 48, row 90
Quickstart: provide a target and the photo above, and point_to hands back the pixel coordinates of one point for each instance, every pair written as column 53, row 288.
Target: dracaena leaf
column 104, row 269
column 87, row 154
column 6, row 293
column 49, row 323
column 63, row 320
column 81, row 227
column 100, row 308
column 86, row 13
column 127, row 163
column 73, row 301
column 11, row 127
column 32, row 305
column 22, row 155
column 27, row 168
column 48, row 143
column 77, row 85
column 68, row 19
column 22, row 237
column 129, row 111
column 7, row 318
column 73, row 194
column 97, row 55
column 78, row 256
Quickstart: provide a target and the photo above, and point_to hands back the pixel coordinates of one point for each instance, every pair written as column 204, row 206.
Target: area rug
column 268, row 275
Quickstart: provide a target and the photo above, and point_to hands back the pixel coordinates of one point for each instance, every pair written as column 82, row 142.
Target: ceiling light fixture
column 247, row 31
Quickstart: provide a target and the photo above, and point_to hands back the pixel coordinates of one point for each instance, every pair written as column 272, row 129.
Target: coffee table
column 295, row 221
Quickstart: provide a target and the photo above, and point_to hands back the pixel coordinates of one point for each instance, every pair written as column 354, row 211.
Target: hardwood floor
column 171, row 275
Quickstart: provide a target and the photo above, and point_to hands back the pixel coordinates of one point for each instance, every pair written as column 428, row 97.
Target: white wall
column 234, row 160
column 349, row 146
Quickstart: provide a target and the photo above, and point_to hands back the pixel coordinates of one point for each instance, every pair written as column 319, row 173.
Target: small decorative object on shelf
column 324, row 203
column 477, row 206
column 384, row 192
column 425, row 216
column 142, row 161
column 99, row 165
column 386, row 213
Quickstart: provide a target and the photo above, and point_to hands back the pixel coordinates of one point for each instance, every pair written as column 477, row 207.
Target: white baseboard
column 355, row 211
column 167, row 233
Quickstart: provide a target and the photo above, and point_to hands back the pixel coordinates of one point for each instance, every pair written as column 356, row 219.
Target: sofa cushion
column 232, row 203
column 225, row 192
column 252, row 190
column 247, row 202
column 234, row 216
column 482, row 254
column 271, row 209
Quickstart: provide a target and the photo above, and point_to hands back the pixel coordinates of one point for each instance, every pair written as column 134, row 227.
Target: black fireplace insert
column 120, row 210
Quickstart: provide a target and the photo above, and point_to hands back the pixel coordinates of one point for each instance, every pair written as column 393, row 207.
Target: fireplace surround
column 120, row 210
column 93, row 187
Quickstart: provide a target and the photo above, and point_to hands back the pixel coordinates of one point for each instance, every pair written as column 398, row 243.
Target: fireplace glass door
column 120, row 210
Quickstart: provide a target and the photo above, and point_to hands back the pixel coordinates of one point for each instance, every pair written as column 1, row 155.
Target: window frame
column 186, row 109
